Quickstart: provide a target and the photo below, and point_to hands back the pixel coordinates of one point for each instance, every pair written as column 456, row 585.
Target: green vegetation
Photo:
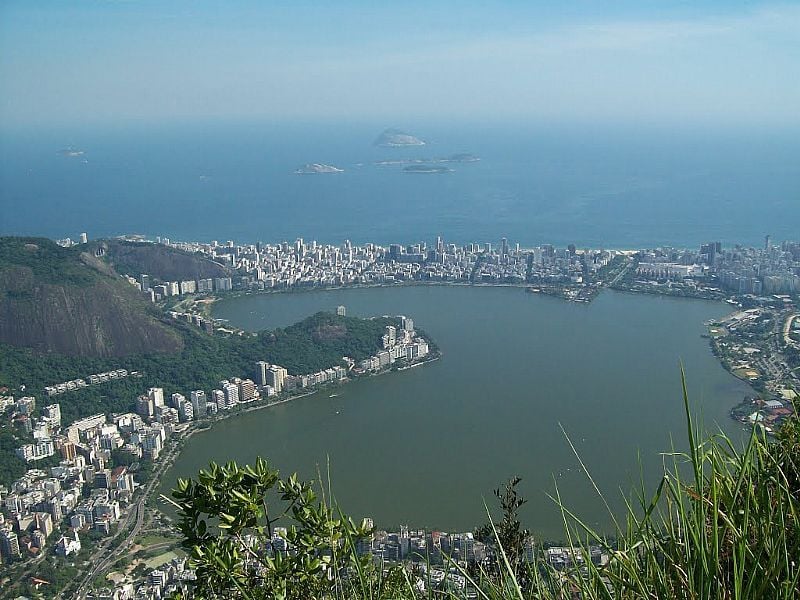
column 42, row 260
column 11, row 466
column 509, row 531
column 318, row 342
column 55, row 577
column 723, row 523
column 234, row 498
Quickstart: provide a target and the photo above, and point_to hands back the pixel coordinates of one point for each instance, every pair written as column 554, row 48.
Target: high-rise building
column 157, row 396
column 223, row 284
column 231, row 391
column 68, row 451
column 44, row 523
column 185, row 412
column 276, row 377
column 198, row 403
column 84, row 238
column 341, row 311
column 407, row 323
column 218, row 399
column 53, row 413
column 247, row 390
column 261, row 372
column 9, row 545
column 711, row 251
column 144, row 406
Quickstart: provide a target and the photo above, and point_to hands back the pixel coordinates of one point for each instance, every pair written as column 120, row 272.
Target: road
column 102, row 563
column 787, row 329
column 621, row 274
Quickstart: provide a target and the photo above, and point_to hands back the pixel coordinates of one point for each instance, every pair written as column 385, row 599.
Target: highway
column 621, row 274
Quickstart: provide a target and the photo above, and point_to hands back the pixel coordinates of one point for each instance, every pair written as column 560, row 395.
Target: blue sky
column 84, row 61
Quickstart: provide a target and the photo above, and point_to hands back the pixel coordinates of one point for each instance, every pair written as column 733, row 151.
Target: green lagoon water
column 427, row 445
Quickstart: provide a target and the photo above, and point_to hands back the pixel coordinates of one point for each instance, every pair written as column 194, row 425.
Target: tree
column 227, row 517
column 508, row 533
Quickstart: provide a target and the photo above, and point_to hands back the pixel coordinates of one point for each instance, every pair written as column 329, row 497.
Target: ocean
column 594, row 186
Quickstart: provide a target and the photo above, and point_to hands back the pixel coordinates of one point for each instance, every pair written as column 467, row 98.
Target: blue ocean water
column 598, row 186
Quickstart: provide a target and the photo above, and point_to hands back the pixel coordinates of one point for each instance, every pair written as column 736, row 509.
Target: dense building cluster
column 773, row 269
column 402, row 344
column 95, row 379
column 309, row 264
column 171, row 579
column 158, row 290
column 78, row 490
column 87, row 481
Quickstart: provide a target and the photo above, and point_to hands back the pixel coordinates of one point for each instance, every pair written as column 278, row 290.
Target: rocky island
column 394, row 138
column 317, row 168
column 71, row 152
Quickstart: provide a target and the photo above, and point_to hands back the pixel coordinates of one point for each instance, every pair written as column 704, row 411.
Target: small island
column 394, row 138
column 317, row 169
column 453, row 158
column 427, row 170
column 71, row 152
column 462, row 157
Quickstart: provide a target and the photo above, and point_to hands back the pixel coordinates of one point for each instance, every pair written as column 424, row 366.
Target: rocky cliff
column 64, row 300
column 159, row 261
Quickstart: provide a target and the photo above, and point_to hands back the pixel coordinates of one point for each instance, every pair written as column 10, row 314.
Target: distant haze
column 71, row 62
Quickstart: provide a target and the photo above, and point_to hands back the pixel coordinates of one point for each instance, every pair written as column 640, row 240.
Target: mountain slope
column 159, row 261
column 63, row 300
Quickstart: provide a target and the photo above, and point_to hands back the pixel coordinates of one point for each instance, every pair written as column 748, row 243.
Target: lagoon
column 425, row 446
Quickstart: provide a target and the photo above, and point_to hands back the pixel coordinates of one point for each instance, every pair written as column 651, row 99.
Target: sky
column 100, row 61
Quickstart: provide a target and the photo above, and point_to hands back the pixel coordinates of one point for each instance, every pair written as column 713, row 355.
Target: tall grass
column 727, row 529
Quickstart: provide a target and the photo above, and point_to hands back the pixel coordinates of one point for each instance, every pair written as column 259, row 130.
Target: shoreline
column 192, row 429
column 208, row 304
column 154, row 489
column 523, row 286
